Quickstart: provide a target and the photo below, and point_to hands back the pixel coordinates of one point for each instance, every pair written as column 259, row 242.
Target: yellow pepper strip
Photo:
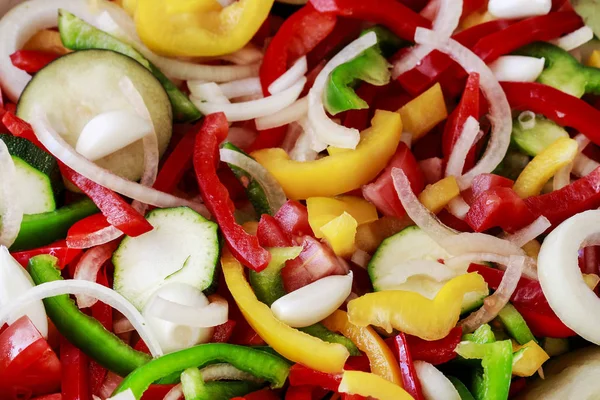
column 340, row 233
column 594, row 59
column 422, row 113
column 544, row 166
column 321, row 210
column 435, row 197
column 532, row 248
column 48, row 41
column 527, row 362
column 591, row 280
column 371, row 385
column 381, row 359
column 476, row 18
column 289, row 342
column 413, row 313
column 369, row 236
column 339, row 173
column 199, row 28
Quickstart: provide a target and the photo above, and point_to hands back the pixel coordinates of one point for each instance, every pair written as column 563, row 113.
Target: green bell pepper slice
column 482, row 335
column 194, row 387
column 515, row 324
column 460, row 387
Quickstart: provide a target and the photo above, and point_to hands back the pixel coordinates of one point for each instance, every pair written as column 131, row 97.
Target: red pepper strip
column 390, row 13
column 118, row 213
column 175, row 166
column 528, row 298
column 74, row 371
column 359, row 119
column 55, row 396
column 484, row 182
column 31, row 61
column 298, row 35
column 156, row 392
column 302, row 376
column 268, row 138
column 436, row 352
column 223, row 332
column 243, row 246
column 81, row 229
column 410, row 380
column 293, row 218
column 557, row 206
column 358, row 363
column 271, row 234
column 345, row 31
column 263, row 394
column 499, row 207
column 58, row 249
column 104, row 314
column 468, row 107
column 562, row 108
column 17, row 127
column 299, row 393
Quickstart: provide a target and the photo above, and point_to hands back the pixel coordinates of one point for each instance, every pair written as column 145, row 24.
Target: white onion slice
column 560, row 277
column 407, row 269
column 175, row 393
column 273, row 190
column 434, row 383
column 583, row 165
column 406, row 138
column 253, row 109
column 289, row 77
column 466, row 140
column 496, row 302
column 11, row 211
column 201, row 317
column 517, row 9
column 527, row 120
column 292, row 113
column 97, row 238
column 458, row 207
column 517, row 68
column 326, row 130
column 249, row 54
column 239, row 88
column 500, row 111
column 77, row 287
column 65, row 153
column 126, row 395
column 87, row 269
column 467, row 242
column 530, row 232
column 224, row 371
column 458, row 262
column 302, row 150
column 207, row 91
column 122, row 325
column 574, row 39
column 424, row 219
column 446, row 21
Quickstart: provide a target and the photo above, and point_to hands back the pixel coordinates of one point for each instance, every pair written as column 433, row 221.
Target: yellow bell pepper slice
column 591, row 280
column 340, row 233
column 527, row 362
column 287, row 341
column 435, row 197
column 594, row 59
column 532, row 248
column 381, row 359
column 371, row 385
column 543, row 166
column 338, row 173
column 322, row 210
column 414, row 314
column 46, row 40
column 424, row 112
column 200, row 27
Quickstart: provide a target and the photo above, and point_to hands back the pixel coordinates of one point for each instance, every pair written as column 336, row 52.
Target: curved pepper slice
column 200, row 27
column 289, row 342
column 412, row 313
column 339, row 173
column 381, row 358
column 366, row 384
column 544, row 166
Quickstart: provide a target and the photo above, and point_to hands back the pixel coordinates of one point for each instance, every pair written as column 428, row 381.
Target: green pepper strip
column 194, row 387
column 84, row 332
column 258, row 363
column 462, row 390
column 492, row 381
column 482, row 335
column 515, row 324
column 254, row 191
column 77, row 34
column 41, row 229
column 562, row 71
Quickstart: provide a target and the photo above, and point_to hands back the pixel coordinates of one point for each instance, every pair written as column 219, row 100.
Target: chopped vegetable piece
column 421, row 114
column 515, row 324
column 532, row 141
column 436, row 196
column 366, row 384
column 410, row 380
column 528, row 359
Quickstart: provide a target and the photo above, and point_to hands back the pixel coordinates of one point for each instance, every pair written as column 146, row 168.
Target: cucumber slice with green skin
column 254, row 191
column 76, row 34
column 77, row 87
column 41, row 229
column 515, row 324
column 533, row 141
column 407, row 245
column 182, row 247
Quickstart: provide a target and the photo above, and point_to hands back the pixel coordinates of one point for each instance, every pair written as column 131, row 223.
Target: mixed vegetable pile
column 332, row 199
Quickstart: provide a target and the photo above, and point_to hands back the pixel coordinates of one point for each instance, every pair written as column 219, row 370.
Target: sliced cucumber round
column 182, row 247
column 77, row 87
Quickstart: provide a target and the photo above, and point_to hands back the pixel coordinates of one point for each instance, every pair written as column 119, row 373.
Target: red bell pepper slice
column 271, row 234
column 484, row 182
column 304, row 376
column 359, row 119
column 390, row 13
column 31, row 61
column 55, row 396
column 104, row 314
column 75, row 372
column 468, row 107
column 176, row 164
column 223, row 332
column 562, row 108
column 293, row 218
column 17, row 127
column 410, row 380
column 557, row 206
column 345, row 31
column 263, row 394
column 156, row 392
column 60, row 250
column 499, row 207
column 544, row 325
column 435, row 352
column 298, row 35
column 268, row 138
column 27, row 363
column 302, row 393
column 381, row 191
column 81, row 229
column 244, row 247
